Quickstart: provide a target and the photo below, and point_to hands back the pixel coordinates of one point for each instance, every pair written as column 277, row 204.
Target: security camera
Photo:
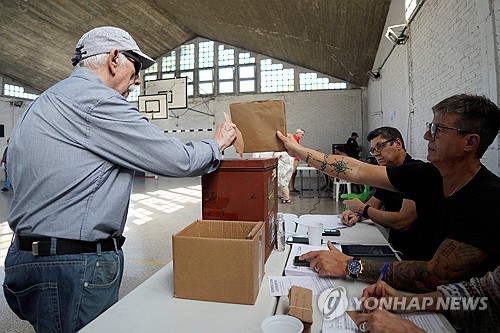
column 395, row 33
column 374, row 75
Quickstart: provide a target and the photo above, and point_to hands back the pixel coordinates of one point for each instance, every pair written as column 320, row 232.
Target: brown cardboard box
column 220, row 261
column 300, row 306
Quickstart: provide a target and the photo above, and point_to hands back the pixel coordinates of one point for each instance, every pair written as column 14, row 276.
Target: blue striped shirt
column 72, row 156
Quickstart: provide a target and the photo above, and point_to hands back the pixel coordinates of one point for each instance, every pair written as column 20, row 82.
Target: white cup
column 315, row 231
column 282, row 324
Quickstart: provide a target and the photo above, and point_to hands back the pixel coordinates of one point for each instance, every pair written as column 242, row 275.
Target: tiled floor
column 158, row 209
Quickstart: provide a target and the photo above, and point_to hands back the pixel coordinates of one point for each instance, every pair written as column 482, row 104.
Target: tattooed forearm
column 335, row 168
column 371, row 270
column 451, row 263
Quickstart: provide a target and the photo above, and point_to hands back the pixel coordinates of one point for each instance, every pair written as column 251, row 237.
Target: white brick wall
column 445, row 54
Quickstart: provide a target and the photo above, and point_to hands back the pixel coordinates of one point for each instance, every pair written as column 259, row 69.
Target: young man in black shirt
column 455, row 189
column 399, row 213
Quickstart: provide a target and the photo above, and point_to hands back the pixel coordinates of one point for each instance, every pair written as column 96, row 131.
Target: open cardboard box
column 220, row 261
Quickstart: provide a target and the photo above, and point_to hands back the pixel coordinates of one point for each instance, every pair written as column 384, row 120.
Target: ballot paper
column 428, row 321
column 297, row 250
column 280, row 285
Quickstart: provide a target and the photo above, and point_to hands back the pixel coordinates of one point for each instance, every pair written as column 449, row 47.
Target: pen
column 380, row 277
column 357, row 215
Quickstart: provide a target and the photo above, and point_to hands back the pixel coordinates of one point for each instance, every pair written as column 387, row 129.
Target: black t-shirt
column 466, row 216
column 351, row 148
column 411, row 243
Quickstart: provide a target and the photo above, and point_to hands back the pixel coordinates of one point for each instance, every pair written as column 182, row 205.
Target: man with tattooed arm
column 456, row 191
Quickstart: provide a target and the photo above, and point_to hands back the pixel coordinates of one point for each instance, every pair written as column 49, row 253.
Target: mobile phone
column 298, row 262
column 331, row 232
column 297, row 240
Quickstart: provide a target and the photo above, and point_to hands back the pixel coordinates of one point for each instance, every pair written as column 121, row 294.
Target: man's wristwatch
column 354, row 267
column 365, row 211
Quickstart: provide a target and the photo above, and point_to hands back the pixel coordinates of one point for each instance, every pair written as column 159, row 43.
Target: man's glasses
column 432, row 128
column 135, row 60
column 379, row 146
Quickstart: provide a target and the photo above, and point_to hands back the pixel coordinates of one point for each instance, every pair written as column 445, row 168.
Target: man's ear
column 113, row 59
column 472, row 142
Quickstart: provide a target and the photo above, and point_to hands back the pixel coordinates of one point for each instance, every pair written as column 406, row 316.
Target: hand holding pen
column 350, row 218
column 373, row 289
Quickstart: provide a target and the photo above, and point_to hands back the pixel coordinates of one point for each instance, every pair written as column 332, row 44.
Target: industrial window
column 214, row 68
column 206, row 54
column 17, row 91
column 275, row 78
column 151, row 73
column 187, row 57
column 311, row 81
column 168, row 63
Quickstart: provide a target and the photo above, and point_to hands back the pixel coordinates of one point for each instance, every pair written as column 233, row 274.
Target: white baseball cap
column 103, row 40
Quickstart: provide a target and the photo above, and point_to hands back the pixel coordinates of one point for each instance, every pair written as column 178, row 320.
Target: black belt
column 40, row 245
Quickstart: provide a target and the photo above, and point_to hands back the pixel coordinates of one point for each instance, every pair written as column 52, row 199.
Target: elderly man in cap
column 72, row 158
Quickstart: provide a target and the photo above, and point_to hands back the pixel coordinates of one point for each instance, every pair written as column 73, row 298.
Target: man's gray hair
column 97, row 61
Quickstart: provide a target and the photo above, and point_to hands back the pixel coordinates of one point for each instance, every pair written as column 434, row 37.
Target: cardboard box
column 220, row 261
column 300, row 305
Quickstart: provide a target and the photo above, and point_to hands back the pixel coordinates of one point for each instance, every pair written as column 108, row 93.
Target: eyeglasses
column 432, row 128
column 135, row 60
column 379, row 146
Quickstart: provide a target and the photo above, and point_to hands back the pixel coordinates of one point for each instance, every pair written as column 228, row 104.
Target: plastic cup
column 315, row 231
column 282, row 324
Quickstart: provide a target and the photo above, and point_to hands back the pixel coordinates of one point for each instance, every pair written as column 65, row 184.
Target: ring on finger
column 362, row 327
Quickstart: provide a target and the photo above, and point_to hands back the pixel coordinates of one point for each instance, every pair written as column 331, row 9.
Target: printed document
column 280, row 285
column 299, row 249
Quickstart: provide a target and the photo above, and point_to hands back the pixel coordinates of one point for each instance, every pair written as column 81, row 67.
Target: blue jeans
column 7, row 181
column 61, row 293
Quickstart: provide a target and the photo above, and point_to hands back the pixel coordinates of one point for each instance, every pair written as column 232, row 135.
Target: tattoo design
column 309, row 155
column 337, row 166
column 451, row 263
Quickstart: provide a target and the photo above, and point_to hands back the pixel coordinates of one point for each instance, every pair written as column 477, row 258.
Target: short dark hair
column 354, row 134
column 388, row 133
column 476, row 114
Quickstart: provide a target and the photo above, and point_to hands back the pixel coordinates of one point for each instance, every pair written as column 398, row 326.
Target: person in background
column 72, row 158
column 299, row 134
column 352, row 148
column 463, row 317
column 454, row 189
column 400, row 213
column 6, row 185
column 285, row 168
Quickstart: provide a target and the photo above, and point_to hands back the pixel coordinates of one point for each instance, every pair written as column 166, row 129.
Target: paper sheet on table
column 258, row 122
column 238, row 143
column 280, row 285
column 297, row 250
column 328, row 221
column 429, row 322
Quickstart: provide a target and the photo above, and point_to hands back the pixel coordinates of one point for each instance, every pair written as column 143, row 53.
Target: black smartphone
column 331, row 232
column 298, row 262
column 297, row 240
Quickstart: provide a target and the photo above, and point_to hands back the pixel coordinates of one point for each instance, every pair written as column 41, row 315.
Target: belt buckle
column 34, row 248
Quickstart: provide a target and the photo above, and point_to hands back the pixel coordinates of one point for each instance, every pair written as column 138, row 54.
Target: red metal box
column 243, row 190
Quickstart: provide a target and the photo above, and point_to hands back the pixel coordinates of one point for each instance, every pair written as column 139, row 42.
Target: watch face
column 354, row 267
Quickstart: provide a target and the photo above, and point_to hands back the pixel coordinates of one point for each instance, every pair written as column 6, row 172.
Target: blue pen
column 357, row 214
column 380, row 277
